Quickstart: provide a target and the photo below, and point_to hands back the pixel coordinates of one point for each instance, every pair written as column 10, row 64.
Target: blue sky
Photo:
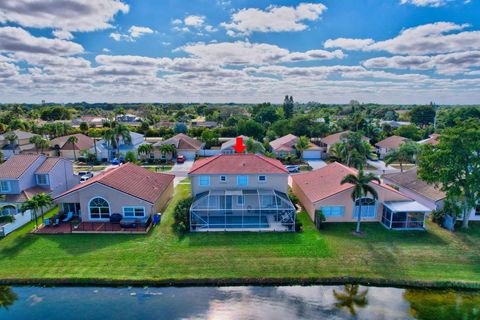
column 385, row 51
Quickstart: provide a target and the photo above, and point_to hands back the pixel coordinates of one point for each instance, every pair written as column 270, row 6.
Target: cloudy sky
column 385, row 51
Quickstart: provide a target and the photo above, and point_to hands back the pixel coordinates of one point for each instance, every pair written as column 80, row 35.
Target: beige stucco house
column 130, row 190
column 321, row 189
column 240, row 192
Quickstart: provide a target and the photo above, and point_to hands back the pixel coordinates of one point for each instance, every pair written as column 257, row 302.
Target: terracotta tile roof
column 48, row 165
column 130, row 179
column 337, row 137
column 392, row 142
column 182, row 142
column 433, row 139
column 84, row 142
column 26, row 194
column 326, row 182
column 16, row 165
column 245, row 163
column 286, row 142
column 409, row 180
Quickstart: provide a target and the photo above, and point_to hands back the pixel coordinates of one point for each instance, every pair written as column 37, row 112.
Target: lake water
column 295, row 302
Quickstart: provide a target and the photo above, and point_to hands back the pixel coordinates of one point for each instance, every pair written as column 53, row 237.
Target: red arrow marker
column 239, row 147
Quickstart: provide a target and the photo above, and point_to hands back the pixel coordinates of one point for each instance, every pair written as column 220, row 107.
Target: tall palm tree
column 144, row 150
column 351, row 298
column 43, row 200
column 109, row 137
column 361, row 188
column 32, row 205
column 73, row 140
column 95, row 134
column 120, row 131
column 302, row 144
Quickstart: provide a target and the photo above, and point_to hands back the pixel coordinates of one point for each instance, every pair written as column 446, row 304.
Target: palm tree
column 120, row 131
column 109, row 137
column 43, row 200
column 301, row 145
column 73, row 140
column 361, row 189
column 406, row 153
column 144, row 150
column 32, row 205
column 351, row 298
column 94, row 134
column 7, row 297
column 40, row 143
column 11, row 138
column 167, row 149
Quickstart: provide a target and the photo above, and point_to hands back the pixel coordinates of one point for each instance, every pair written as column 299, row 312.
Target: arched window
column 369, row 208
column 99, row 208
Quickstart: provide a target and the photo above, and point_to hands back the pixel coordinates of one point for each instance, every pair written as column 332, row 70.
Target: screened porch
column 404, row 215
column 242, row 210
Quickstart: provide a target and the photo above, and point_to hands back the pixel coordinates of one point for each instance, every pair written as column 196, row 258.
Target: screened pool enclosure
column 242, row 210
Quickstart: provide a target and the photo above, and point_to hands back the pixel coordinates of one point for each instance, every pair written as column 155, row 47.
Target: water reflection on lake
column 296, row 302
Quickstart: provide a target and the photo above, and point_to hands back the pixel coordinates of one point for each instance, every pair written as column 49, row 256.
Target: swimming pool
column 235, row 222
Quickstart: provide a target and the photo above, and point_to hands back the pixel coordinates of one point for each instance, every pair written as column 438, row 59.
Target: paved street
column 316, row 164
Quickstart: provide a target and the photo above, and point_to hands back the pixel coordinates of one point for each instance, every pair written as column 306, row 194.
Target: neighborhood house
column 321, row 189
column 286, row 145
column 129, row 191
column 241, row 192
column 69, row 150
column 184, row 145
column 389, row 144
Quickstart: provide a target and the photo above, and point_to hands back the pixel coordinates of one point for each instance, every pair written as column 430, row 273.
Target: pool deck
column 91, row 227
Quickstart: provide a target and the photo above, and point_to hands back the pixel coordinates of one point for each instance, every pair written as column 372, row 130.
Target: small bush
column 181, row 215
column 319, row 219
column 6, row 219
column 298, row 224
column 293, row 197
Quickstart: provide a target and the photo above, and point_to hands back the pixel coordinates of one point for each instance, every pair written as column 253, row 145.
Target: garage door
column 312, row 154
column 189, row 155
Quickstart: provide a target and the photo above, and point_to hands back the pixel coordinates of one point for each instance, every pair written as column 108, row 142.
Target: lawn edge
column 375, row 282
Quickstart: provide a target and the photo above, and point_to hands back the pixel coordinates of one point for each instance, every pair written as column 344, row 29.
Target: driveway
column 181, row 169
column 381, row 168
column 316, row 164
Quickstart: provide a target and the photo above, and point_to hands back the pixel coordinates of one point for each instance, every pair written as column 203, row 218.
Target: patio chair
column 56, row 222
column 47, row 222
column 68, row 217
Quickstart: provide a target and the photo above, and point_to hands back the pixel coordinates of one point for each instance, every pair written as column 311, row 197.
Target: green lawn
column 436, row 255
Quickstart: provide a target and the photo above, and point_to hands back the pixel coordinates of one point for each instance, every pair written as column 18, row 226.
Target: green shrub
column 181, row 216
column 319, row 219
column 293, row 197
column 298, row 224
column 6, row 219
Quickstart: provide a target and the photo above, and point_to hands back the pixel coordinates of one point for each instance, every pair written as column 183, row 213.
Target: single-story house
column 92, row 121
column 129, row 190
column 106, row 151
column 429, row 195
column 286, row 145
column 389, row 144
column 321, row 189
column 185, row 145
column 227, row 146
column 203, row 124
column 240, row 192
column 433, row 139
column 62, row 148
column 330, row 140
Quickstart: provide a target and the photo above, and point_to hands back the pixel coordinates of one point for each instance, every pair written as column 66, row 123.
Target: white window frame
column 241, row 184
column 262, row 181
column 134, row 208
column 205, row 182
column 240, row 200
column 223, row 181
column 47, row 179
column 90, row 213
column 329, row 215
column 8, row 184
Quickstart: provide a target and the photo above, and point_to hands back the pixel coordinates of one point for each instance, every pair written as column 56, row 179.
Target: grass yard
column 436, row 255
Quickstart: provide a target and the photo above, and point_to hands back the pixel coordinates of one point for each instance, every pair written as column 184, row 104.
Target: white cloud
column 425, row 3
column 68, row 15
column 273, row 19
column 106, row 50
column 14, row 39
column 62, row 34
column 348, row 44
column 439, row 37
column 194, row 21
column 246, row 53
column 134, row 32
